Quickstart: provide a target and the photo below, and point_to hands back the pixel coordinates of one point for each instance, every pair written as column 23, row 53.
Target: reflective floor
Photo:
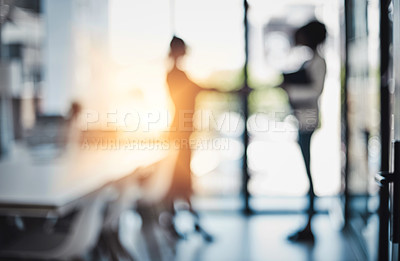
column 139, row 235
column 237, row 237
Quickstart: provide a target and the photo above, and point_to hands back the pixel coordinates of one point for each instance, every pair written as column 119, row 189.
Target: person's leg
column 305, row 142
column 305, row 234
column 167, row 216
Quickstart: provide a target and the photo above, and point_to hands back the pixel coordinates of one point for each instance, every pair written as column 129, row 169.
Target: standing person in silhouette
column 304, row 88
column 183, row 92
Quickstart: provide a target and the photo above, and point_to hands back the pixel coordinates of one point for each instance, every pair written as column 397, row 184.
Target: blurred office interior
column 85, row 108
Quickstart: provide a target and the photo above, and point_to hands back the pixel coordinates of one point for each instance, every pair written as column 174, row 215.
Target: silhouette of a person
column 304, row 88
column 183, row 92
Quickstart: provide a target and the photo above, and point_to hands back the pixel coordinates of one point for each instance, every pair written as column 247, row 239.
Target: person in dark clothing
column 304, row 88
column 183, row 92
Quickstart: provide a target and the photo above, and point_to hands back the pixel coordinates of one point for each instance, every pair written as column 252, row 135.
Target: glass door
column 389, row 236
column 394, row 192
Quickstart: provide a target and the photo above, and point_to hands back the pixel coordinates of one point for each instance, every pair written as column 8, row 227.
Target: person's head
column 311, row 35
column 177, row 48
column 75, row 110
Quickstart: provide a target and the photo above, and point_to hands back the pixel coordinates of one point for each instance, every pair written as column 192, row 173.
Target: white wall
column 65, row 53
column 58, row 58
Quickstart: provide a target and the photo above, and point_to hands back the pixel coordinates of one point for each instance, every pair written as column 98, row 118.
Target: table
column 78, row 179
column 26, row 183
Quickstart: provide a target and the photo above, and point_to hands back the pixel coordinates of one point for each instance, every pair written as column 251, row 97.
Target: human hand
column 244, row 91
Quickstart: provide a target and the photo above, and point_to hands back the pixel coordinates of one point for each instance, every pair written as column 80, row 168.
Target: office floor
column 237, row 237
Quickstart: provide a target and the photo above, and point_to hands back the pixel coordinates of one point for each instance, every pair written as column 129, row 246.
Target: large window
column 213, row 30
column 275, row 159
column 139, row 36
